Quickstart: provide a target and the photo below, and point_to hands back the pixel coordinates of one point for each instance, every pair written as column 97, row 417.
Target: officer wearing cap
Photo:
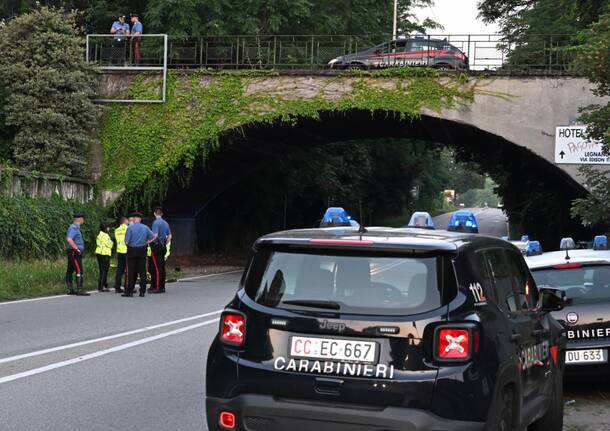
column 158, row 251
column 137, row 238
column 120, row 30
column 76, row 246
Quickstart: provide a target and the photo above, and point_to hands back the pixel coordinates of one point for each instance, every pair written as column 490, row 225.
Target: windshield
column 584, row 284
column 349, row 284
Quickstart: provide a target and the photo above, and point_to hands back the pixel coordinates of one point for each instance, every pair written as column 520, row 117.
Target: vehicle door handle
column 539, row 333
column 326, row 386
column 516, row 337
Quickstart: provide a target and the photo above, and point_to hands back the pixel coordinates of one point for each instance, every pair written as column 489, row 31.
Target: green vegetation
column 21, row 279
column 594, row 55
column 173, row 137
column 35, row 228
column 198, row 17
column 480, row 197
column 33, row 278
column 543, row 32
column 46, row 90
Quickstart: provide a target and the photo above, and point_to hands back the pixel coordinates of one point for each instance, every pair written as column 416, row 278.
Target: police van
column 584, row 276
column 386, row 329
column 401, row 52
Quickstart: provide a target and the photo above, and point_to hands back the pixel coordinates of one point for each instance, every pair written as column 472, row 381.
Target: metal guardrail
column 313, row 52
column 143, row 53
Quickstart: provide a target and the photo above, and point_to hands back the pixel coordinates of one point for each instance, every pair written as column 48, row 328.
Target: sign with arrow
column 572, row 147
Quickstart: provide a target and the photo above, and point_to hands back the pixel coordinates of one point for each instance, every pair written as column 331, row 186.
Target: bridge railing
column 540, row 53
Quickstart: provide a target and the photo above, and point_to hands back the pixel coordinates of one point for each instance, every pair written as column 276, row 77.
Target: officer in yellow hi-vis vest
column 103, row 252
column 121, row 254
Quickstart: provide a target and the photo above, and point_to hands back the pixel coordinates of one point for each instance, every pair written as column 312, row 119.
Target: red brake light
column 340, row 242
column 568, row 266
column 454, row 344
column 227, row 420
column 233, row 329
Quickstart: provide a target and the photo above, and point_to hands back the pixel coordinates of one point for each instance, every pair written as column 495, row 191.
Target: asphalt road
column 110, row 363
column 492, row 221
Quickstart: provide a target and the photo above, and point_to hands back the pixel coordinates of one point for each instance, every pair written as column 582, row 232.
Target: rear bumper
column 267, row 413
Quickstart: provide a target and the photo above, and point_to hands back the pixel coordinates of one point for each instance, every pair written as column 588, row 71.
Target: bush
column 36, row 227
column 49, row 91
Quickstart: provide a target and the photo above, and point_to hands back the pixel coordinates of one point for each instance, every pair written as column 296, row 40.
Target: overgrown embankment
column 145, row 146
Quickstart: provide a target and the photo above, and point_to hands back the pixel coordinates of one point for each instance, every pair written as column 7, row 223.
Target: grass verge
column 34, row 278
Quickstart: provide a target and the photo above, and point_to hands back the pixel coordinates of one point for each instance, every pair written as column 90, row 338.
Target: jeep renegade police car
column 386, row 329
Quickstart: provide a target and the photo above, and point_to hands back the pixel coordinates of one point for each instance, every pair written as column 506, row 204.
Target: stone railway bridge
column 523, row 111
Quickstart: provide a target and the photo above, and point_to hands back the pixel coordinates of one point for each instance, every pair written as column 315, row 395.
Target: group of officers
column 135, row 244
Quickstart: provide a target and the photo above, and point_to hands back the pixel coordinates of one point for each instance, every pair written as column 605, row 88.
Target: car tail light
column 227, row 420
column 233, row 328
column 456, row 343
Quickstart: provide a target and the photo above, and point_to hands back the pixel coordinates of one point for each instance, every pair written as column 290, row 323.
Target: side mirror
column 552, row 299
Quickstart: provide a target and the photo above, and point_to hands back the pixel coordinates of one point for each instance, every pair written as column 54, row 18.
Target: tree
column 50, row 90
column 594, row 60
column 216, row 17
column 541, row 33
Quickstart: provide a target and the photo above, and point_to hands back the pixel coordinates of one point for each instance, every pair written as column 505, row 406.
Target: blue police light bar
column 567, row 244
column 334, row 217
column 421, row 220
column 525, row 238
column 533, row 248
column 463, row 221
column 600, row 242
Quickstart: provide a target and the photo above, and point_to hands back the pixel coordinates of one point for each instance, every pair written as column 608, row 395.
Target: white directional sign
column 572, row 147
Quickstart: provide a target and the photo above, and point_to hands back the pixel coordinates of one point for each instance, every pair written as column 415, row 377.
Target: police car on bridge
column 386, row 329
column 584, row 275
column 415, row 51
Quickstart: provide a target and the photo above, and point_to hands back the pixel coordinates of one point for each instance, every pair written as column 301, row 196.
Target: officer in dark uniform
column 76, row 247
column 158, row 250
column 137, row 238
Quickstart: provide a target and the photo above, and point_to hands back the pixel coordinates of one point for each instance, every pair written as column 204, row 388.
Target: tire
column 553, row 418
column 503, row 415
column 357, row 66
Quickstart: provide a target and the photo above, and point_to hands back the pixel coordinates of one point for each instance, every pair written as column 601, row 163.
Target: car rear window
column 356, row 284
column 583, row 284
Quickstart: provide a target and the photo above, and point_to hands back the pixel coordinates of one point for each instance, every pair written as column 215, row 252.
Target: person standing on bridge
column 120, row 30
column 103, row 251
column 121, row 255
column 158, row 251
column 76, row 247
column 137, row 238
column 136, row 37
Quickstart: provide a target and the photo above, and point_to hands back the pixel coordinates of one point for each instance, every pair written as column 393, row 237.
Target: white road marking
column 99, row 353
column 209, row 275
column 43, row 298
column 40, row 299
column 106, row 338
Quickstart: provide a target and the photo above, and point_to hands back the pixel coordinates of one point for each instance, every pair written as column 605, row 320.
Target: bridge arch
column 145, row 147
column 223, row 189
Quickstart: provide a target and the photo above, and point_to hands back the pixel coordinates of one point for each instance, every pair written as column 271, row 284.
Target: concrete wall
column 22, row 183
column 528, row 117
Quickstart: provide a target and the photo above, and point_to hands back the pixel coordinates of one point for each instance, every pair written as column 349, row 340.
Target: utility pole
column 395, row 21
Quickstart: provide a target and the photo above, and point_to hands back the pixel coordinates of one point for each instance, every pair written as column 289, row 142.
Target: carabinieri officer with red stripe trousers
column 156, row 262
column 76, row 247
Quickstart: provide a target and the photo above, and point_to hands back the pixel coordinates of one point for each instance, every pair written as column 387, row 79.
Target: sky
column 457, row 17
